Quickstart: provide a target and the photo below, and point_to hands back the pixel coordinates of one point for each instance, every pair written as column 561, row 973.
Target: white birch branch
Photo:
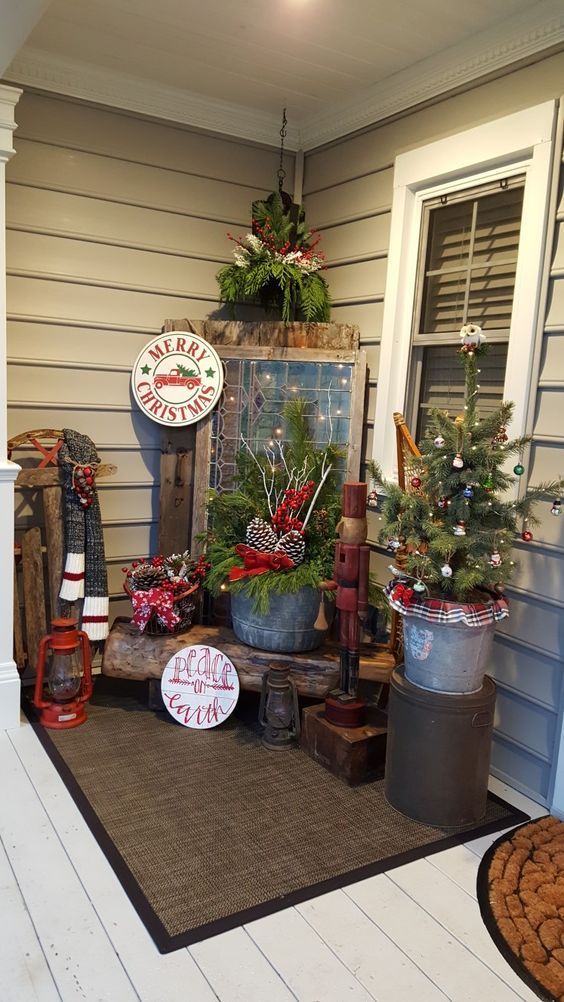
column 267, row 491
column 324, row 474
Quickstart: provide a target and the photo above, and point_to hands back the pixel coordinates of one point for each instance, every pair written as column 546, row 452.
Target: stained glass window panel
column 254, row 396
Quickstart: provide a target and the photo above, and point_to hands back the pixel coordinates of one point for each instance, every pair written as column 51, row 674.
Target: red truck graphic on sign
column 177, row 378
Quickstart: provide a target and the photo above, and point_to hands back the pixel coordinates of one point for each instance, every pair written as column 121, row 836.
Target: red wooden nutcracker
column 352, row 556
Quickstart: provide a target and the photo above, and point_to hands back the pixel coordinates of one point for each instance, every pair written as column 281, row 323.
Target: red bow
column 403, row 593
column 159, row 600
column 257, row 562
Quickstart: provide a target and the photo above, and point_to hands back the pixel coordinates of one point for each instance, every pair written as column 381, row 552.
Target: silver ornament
column 446, row 571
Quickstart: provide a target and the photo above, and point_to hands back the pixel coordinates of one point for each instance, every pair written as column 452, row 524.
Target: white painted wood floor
column 68, row 931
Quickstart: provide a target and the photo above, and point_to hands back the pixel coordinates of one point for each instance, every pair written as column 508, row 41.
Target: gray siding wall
column 348, row 196
column 114, row 223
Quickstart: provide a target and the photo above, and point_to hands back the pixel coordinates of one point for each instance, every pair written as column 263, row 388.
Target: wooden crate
column 354, row 754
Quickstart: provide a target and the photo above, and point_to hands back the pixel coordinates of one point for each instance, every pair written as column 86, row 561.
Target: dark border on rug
column 483, row 889
column 164, row 941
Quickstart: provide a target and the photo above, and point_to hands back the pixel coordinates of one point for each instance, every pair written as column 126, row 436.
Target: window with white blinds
column 467, row 267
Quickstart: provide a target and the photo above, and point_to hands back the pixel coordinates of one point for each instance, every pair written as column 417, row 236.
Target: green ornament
column 488, row 484
column 519, row 470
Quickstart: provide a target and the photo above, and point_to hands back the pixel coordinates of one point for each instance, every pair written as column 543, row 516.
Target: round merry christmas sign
column 177, row 379
column 200, row 686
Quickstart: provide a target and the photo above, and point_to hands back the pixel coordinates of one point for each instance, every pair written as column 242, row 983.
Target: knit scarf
column 85, row 567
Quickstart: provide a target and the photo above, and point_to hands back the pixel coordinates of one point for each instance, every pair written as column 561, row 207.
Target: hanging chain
column 281, row 172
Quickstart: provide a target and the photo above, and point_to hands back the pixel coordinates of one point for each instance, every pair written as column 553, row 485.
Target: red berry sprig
column 295, row 499
column 83, row 484
column 283, row 521
column 285, row 517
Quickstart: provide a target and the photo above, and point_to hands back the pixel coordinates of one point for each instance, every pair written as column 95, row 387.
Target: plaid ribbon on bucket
column 405, row 600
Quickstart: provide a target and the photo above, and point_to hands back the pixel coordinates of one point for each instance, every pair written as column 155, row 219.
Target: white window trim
column 518, row 143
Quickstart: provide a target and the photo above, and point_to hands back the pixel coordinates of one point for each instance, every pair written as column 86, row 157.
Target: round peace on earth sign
column 177, row 379
column 200, row 686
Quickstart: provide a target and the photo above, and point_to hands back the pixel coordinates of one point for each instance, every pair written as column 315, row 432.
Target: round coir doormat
column 521, row 896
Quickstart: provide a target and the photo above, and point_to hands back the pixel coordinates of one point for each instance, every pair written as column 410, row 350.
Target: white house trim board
column 9, row 678
column 63, row 75
column 521, row 142
column 514, row 40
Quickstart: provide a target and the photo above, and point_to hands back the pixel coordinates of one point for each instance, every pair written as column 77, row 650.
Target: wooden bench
column 130, row 654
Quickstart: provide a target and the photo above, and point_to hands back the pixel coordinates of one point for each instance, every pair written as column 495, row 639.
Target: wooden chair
column 407, row 456
column 39, row 555
column 407, row 451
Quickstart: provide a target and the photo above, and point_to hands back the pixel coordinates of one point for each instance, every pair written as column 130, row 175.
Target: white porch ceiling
column 232, row 66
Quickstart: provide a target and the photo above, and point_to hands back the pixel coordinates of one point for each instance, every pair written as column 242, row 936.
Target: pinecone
column 177, row 565
column 260, row 536
column 293, row 545
column 144, row 577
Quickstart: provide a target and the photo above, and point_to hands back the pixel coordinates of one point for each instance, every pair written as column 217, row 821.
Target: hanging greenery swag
column 278, row 265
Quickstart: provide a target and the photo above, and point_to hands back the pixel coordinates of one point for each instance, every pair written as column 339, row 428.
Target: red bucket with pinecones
column 163, row 591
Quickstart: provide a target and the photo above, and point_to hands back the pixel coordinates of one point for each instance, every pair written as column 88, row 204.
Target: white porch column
column 9, row 677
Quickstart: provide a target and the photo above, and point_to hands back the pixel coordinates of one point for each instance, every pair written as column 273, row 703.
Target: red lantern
column 68, row 678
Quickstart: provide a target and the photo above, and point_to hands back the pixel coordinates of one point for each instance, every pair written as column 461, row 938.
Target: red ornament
column 416, row 482
column 527, row 535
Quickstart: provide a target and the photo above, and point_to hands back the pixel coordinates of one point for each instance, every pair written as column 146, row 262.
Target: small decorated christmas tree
column 454, row 524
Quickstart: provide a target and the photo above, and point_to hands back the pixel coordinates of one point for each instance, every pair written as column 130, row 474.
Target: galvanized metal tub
column 289, row 625
column 446, row 657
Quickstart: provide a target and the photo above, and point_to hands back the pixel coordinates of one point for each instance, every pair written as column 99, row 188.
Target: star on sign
column 210, row 373
column 145, row 370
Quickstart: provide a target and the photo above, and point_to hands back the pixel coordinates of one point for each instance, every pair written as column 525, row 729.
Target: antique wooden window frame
column 186, row 452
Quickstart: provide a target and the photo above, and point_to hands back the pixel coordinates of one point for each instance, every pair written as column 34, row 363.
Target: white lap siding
column 348, row 195
column 114, row 224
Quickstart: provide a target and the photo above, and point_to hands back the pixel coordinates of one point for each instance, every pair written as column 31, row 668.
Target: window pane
column 254, row 395
column 490, row 299
column 442, row 382
column 471, row 262
column 497, row 227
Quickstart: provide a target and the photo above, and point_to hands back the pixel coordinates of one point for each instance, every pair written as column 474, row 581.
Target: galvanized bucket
column 446, row 657
column 287, row 627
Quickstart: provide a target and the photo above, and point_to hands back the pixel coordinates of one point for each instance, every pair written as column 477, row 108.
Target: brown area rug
column 521, row 895
column 207, row 830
